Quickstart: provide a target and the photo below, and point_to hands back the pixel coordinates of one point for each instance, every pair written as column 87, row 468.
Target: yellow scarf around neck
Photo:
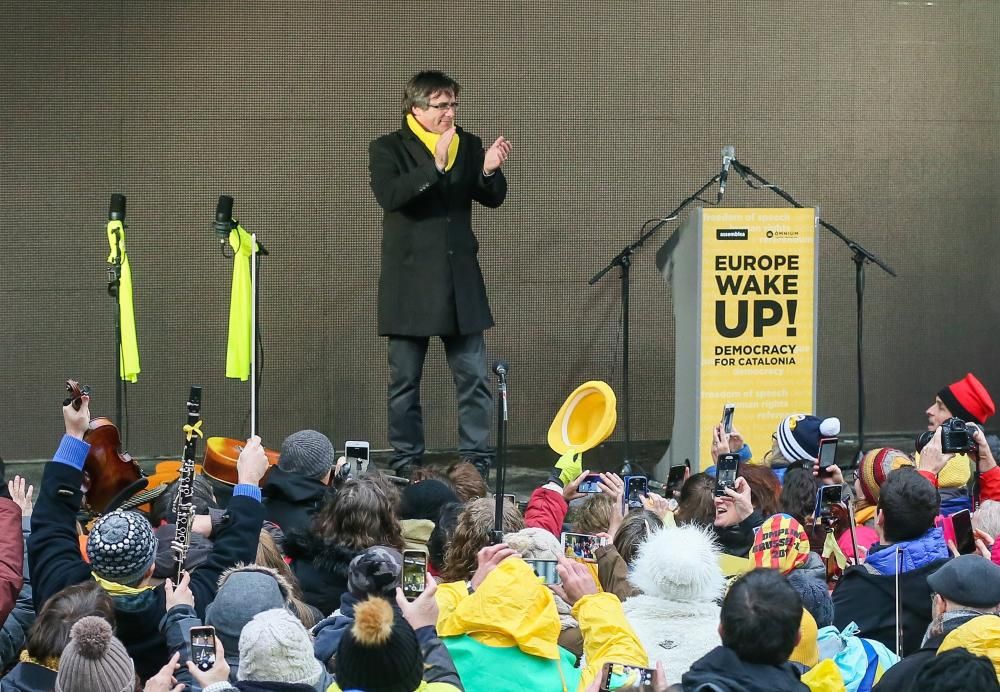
column 430, row 140
column 115, row 589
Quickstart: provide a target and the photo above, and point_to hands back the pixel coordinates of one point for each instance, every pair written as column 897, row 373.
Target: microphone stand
column 860, row 256
column 496, row 535
column 623, row 260
column 114, row 283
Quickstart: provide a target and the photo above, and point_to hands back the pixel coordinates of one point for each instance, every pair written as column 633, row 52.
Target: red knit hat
column 968, row 399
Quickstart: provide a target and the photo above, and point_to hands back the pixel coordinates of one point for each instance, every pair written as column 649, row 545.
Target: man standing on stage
column 425, row 176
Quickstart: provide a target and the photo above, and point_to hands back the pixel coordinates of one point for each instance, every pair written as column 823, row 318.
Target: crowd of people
column 299, row 578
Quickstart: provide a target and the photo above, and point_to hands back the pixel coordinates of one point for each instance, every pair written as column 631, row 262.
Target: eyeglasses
column 444, row 106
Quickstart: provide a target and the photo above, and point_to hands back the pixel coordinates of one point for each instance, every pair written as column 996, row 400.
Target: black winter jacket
column 321, row 569
column 291, row 499
column 721, row 669
column 54, row 554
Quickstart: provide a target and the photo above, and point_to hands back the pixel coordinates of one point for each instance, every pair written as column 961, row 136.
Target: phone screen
column 352, row 451
column 591, row 484
column 827, row 453
column 414, row 573
column 581, row 546
column 545, row 570
column 203, row 647
column 675, row 475
column 727, row 418
column 635, row 488
column 616, row 676
column 964, row 540
column 827, row 497
column 725, row 473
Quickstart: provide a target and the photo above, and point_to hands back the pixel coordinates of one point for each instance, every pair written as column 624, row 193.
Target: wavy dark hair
column 360, row 514
column 697, row 501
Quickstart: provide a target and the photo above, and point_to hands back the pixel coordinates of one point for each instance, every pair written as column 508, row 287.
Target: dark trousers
column 467, row 361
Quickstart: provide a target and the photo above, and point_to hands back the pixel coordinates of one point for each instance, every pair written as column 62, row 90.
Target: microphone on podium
column 728, row 154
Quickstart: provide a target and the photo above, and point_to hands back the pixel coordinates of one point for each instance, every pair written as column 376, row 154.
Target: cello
column 110, row 476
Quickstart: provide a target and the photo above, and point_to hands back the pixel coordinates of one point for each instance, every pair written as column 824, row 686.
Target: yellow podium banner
column 757, row 320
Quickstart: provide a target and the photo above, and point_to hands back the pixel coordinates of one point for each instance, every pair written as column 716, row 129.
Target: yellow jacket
column 511, row 624
column 979, row 636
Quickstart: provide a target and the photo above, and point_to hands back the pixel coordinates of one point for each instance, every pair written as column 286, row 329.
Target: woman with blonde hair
column 472, row 534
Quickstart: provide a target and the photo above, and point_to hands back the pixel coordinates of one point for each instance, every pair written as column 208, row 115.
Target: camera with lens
column 956, row 436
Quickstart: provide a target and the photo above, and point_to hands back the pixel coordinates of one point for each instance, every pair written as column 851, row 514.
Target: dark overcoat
column 430, row 283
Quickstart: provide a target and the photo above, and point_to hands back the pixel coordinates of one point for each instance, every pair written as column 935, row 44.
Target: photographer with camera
column 968, row 402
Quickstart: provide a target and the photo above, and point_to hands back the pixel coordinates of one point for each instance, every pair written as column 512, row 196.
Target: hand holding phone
column 203, row 647
column 958, row 531
column 827, row 453
column 358, row 454
column 636, row 487
column 414, row 573
column 616, row 676
column 591, row 485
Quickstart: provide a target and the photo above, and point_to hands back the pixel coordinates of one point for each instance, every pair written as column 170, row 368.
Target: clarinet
column 184, row 499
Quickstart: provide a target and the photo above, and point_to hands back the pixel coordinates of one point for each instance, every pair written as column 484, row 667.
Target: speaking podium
column 743, row 283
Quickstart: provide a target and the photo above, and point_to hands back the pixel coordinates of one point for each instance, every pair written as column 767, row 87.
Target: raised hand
column 423, row 610
column 77, row 422
column 488, row 559
column 252, row 464
column 496, row 155
column 20, row 496
column 441, row 150
column 180, row 594
column 164, row 680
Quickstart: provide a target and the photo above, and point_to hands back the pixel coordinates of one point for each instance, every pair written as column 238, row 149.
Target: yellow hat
column 586, row 419
column 806, row 651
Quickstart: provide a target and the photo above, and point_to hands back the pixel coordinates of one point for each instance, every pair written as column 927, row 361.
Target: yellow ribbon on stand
column 240, row 306
column 128, row 361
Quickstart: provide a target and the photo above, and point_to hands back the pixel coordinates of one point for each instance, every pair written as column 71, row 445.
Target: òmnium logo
column 732, row 234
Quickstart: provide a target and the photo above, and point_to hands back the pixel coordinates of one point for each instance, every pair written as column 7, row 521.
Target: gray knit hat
column 94, row 660
column 244, row 591
column 275, row 647
column 308, row 453
column 121, row 547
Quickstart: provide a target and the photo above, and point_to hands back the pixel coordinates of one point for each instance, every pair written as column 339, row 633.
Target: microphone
column 501, row 368
column 116, row 210
column 224, row 218
column 728, row 154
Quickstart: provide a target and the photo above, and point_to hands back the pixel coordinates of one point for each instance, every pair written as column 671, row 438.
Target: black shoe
column 404, row 468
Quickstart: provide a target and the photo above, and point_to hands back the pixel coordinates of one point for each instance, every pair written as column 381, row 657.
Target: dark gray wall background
column 885, row 114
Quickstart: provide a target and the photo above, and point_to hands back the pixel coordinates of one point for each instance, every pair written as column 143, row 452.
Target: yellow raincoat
column 503, row 636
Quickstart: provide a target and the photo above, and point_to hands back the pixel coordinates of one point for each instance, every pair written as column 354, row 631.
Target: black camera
column 956, row 436
column 922, row 440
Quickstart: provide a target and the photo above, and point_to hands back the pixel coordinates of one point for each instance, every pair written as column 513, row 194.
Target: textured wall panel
column 884, row 114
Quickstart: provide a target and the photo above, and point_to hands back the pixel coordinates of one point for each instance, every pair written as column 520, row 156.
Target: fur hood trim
column 328, row 558
column 679, row 564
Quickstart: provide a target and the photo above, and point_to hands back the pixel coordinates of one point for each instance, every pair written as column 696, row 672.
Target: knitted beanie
column 815, row 597
column 875, row 466
column 121, row 547
column 244, row 592
column 275, row 647
column 380, row 652
column 968, row 399
column 94, row 660
column 799, row 435
column 781, row 543
column 425, row 499
column 377, row 571
column 307, row 453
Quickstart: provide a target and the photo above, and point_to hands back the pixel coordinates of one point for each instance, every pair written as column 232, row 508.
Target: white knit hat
column 275, row 647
